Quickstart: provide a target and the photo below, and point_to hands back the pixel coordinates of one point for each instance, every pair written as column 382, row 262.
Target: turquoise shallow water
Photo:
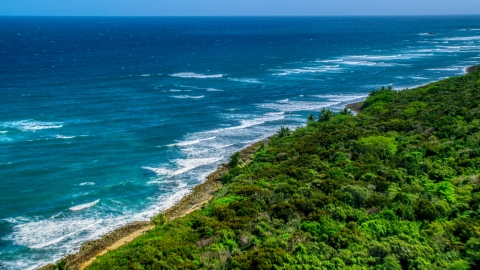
column 104, row 121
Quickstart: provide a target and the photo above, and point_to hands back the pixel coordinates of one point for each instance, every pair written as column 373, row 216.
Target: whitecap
column 359, row 63
column 3, row 131
column 145, row 75
column 87, row 184
column 183, row 166
column 196, row 75
column 330, row 61
column 375, row 57
column 59, row 239
column 418, row 78
column 64, row 235
column 187, row 96
column 175, row 90
column 190, row 164
column 83, row 206
column 341, row 98
column 462, row 38
column 443, row 69
column 16, row 220
column 224, row 146
column 438, row 50
column 244, row 80
column 315, row 69
column 268, row 117
column 192, row 142
column 64, row 137
column 158, row 171
column 293, row 106
column 31, row 125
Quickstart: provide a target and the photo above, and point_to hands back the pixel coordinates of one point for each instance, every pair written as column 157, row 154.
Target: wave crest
column 83, row 206
column 196, row 75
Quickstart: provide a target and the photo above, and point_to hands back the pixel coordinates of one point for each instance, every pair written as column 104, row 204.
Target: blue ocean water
column 104, row 121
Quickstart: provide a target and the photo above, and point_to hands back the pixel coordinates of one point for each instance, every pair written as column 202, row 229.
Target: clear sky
column 236, row 7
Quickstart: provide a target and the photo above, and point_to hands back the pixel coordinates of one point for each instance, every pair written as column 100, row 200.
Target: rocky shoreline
column 200, row 195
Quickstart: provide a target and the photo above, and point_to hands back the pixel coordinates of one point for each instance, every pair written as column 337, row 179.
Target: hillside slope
column 395, row 187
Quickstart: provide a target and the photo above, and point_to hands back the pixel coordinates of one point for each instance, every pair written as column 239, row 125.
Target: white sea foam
column 191, row 142
column 83, row 206
column 60, row 236
column 462, row 38
column 443, row 69
column 268, row 117
column 3, row 131
column 372, row 60
column 468, row 47
column 297, row 106
column 175, row 90
column 314, row 69
column 341, row 98
column 31, row 125
column 64, row 137
column 145, row 75
column 64, row 234
column 359, row 63
column 440, row 50
column 87, row 184
column 59, row 239
column 329, row 61
column 376, row 57
column 224, row 146
column 196, row 75
column 183, row 166
column 187, row 96
column 158, row 171
column 245, row 80
column 190, row 164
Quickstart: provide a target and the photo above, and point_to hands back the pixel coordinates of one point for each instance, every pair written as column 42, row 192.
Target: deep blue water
column 104, row 121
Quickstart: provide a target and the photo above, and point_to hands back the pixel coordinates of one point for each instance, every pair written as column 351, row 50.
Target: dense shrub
column 395, row 187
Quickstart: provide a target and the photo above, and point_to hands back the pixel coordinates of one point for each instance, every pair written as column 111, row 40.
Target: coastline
column 200, row 195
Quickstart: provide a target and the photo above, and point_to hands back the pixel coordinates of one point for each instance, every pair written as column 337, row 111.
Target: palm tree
column 284, row 131
column 325, row 115
column 345, row 111
column 311, row 118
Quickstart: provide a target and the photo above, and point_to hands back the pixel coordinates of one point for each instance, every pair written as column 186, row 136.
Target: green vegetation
column 395, row 187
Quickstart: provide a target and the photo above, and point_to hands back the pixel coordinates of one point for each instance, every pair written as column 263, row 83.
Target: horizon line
column 345, row 15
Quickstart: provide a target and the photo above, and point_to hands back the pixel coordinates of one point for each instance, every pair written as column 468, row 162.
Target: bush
column 426, row 210
column 235, row 159
column 158, row 220
column 381, row 146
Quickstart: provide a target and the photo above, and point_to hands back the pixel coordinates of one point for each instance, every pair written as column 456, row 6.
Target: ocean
column 109, row 120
